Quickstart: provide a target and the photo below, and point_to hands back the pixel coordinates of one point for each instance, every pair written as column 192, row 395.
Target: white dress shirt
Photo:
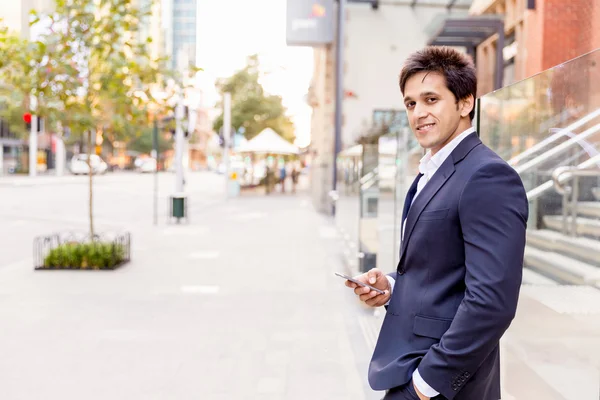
column 428, row 167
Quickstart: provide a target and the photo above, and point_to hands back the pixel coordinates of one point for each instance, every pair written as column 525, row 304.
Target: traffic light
column 27, row 117
column 27, row 120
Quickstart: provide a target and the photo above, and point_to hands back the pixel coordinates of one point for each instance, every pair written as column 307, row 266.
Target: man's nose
column 419, row 111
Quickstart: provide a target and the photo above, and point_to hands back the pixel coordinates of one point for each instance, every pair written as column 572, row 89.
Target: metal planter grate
column 72, row 250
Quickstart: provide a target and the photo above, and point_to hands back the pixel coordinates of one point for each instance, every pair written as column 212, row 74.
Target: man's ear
column 466, row 106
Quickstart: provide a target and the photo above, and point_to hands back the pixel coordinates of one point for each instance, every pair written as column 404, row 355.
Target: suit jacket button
column 401, row 271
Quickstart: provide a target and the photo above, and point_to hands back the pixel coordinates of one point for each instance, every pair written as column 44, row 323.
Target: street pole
column 33, row 144
column 339, row 90
column 59, row 155
column 155, row 155
column 179, row 147
column 226, row 137
column 1, row 160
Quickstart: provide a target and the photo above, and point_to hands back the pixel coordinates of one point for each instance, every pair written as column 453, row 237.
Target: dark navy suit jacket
column 458, row 279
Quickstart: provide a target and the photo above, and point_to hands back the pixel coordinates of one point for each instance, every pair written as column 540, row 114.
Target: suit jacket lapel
column 431, row 188
column 434, row 185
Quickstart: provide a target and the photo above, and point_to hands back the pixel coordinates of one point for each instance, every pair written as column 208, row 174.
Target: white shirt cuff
column 392, row 281
column 422, row 385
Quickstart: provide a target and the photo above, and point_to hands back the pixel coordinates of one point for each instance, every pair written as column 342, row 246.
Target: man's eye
column 410, row 105
column 431, row 100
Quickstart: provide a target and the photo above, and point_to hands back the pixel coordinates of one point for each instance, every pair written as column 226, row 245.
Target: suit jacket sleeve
column 493, row 211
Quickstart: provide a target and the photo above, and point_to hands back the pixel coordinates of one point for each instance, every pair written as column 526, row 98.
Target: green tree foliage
column 251, row 107
column 89, row 71
column 144, row 142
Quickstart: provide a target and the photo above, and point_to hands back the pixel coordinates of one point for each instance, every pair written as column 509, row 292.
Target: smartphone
column 359, row 283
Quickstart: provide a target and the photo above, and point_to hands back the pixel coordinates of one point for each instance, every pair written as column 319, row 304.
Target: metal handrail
column 371, row 175
column 572, row 172
column 551, row 139
column 586, row 152
column 556, row 150
column 564, row 174
column 544, row 187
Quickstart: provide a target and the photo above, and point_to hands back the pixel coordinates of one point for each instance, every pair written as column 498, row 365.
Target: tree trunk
column 91, row 173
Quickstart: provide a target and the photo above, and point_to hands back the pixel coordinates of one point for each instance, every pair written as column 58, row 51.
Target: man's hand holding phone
column 370, row 297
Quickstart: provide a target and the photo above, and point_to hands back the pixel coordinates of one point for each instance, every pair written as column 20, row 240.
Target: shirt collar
column 431, row 163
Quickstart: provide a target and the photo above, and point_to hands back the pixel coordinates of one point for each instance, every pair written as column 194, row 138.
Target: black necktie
column 410, row 196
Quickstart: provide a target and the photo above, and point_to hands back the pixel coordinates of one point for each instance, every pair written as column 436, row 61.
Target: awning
column 268, row 142
column 467, row 31
column 470, row 32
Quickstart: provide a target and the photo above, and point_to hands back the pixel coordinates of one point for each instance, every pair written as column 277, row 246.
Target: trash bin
column 178, row 206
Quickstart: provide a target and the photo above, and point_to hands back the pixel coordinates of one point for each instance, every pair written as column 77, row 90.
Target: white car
column 79, row 164
column 147, row 165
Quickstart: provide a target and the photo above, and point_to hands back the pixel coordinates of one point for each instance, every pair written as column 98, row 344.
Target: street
column 241, row 303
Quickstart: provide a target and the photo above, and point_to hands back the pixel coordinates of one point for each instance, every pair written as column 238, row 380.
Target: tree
column 251, row 107
column 89, row 71
column 28, row 71
column 144, row 142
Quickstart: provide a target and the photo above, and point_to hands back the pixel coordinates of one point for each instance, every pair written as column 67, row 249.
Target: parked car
column 147, row 165
column 79, row 164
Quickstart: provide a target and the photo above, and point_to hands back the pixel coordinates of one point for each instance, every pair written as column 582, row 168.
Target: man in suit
column 455, row 290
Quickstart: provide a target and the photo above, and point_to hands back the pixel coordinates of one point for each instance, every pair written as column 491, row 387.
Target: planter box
column 72, row 251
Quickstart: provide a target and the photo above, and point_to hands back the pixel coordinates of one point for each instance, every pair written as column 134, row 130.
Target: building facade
column 321, row 98
column 180, row 25
column 15, row 14
column 377, row 40
column 376, row 44
column 538, row 34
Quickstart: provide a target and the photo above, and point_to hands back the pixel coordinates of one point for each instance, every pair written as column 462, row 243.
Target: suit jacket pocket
column 431, row 326
column 434, row 214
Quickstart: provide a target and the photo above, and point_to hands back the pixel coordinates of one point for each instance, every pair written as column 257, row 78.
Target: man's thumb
column 373, row 275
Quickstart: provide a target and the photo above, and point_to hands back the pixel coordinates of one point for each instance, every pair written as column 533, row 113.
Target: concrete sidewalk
column 242, row 303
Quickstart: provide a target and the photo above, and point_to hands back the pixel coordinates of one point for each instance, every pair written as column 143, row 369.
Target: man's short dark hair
column 456, row 67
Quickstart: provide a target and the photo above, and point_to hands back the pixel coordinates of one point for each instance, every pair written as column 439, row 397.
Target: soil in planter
column 93, row 255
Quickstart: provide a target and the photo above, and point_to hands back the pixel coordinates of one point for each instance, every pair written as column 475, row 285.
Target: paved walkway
column 241, row 303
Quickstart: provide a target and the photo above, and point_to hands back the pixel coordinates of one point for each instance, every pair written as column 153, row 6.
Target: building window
column 509, row 52
column 5, row 130
column 390, row 120
column 186, row 26
column 509, row 73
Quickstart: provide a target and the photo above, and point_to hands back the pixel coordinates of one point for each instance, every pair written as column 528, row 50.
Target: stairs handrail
column 569, row 173
column 560, row 132
column 544, row 187
column 564, row 174
column 369, row 176
column 556, row 150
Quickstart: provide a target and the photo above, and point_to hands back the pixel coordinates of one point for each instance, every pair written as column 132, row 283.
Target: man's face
column 433, row 112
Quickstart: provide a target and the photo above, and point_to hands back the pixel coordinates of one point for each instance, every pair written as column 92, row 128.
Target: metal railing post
column 574, row 197
column 565, row 212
